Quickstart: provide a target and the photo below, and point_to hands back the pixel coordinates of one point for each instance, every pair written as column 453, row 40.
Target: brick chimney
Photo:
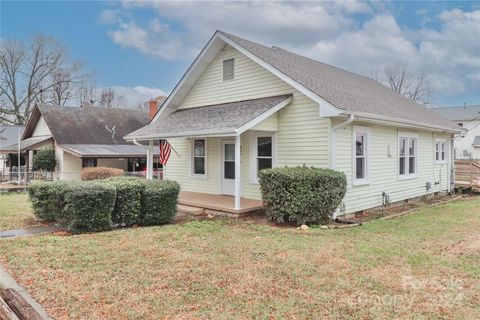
column 152, row 108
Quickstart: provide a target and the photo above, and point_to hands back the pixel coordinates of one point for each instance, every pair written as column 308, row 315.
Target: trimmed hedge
column 301, row 194
column 159, row 201
column 100, row 205
column 89, row 206
column 128, row 204
column 100, row 173
column 48, row 199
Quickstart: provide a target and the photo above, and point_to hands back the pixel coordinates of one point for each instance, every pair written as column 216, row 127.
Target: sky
column 142, row 48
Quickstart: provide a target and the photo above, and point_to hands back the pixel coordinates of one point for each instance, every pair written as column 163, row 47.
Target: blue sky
column 151, row 44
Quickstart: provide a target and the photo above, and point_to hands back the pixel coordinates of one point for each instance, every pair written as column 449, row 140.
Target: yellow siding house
column 243, row 106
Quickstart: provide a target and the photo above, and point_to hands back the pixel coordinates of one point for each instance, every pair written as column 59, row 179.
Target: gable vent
column 228, row 69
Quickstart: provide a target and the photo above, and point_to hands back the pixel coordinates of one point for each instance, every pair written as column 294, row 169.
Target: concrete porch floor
column 218, row 202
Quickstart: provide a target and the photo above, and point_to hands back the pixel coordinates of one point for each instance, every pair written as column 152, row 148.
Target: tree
column 45, row 160
column 39, row 71
column 400, row 78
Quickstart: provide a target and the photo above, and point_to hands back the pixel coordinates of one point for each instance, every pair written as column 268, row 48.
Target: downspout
column 332, row 139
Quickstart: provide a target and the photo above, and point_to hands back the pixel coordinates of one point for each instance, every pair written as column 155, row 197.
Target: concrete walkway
column 28, row 232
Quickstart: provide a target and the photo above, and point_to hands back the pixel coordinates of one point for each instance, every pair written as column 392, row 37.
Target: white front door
column 228, row 167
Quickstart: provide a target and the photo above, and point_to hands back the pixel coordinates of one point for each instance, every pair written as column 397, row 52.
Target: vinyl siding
column 68, row 166
column 383, row 173
column 302, row 136
column 41, row 129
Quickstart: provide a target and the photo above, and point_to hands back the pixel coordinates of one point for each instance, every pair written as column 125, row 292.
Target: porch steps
column 190, row 210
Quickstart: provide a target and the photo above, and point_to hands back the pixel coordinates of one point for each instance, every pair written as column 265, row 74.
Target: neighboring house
column 467, row 146
column 242, row 107
column 9, row 136
column 85, row 137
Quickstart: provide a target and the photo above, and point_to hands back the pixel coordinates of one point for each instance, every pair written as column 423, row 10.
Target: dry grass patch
column 238, row 269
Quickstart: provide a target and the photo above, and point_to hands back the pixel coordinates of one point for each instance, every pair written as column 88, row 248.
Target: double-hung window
column 262, row 154
column 440, row 150
column 407, row 155
column 361, row 137
column 199, row 155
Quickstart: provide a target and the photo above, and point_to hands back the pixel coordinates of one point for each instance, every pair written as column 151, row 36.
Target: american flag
column 165, row 150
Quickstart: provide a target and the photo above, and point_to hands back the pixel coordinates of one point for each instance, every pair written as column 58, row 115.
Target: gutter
column 332, row 139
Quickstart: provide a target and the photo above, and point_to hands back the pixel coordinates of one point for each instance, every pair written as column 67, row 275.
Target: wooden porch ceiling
column 216, row 202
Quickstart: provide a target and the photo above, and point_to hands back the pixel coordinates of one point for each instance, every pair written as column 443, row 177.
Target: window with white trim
column 361, row 137
column 440, row 150
column 407, row 155
column 262, row 154
column 228, row 69
column 199, row 155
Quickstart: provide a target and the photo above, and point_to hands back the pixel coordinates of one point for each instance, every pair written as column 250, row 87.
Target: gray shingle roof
column 460, row 113
column 9, row 136
column 27, row 143
column 343, row 89
column 87, row 125
column 106, row 150
column 220, row 118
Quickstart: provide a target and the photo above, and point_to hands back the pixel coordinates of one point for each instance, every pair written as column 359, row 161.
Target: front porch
column 214, row 202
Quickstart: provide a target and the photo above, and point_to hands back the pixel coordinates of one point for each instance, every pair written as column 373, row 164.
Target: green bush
column 48, row 199
column 128, row 204
column 301, row 194
column 159, row 201
column 44, row 160
column 89, row 206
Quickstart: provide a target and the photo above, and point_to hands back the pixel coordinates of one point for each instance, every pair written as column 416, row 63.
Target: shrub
column 128, row 203
column 159, row 201
column 89, row 206
column 48, row 199
column 44, row 160
column 301, row 194
column 97, row 173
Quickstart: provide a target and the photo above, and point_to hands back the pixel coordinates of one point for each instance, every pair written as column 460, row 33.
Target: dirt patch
column 468, row 245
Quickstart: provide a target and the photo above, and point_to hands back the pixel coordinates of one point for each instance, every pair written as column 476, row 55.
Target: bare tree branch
column 37, row 72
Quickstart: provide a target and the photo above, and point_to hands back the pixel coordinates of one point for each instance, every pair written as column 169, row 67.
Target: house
column 9, row 136
column 85, row 137
column 468, row 145
column 243, row 106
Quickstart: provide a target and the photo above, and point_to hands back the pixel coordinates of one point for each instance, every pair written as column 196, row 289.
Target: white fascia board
column 263, row 116
column 390, row 121
column 185, row 134
column 198, row 66
column 326, row 108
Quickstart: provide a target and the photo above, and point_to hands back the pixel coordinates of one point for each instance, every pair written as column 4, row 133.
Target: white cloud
column 133, row 96
column 327, row 31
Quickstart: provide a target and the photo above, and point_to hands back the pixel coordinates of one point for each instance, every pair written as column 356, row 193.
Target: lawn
column 424, row 265
column 16, row 211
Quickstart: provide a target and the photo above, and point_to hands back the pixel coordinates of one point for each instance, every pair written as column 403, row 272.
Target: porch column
column 238, row 170
column 150, row 160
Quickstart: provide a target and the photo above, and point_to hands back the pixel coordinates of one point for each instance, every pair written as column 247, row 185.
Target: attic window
column 228, row 69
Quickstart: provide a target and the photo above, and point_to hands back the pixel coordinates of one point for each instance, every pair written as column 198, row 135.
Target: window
column 407, row 155
column 360, row 155
column 199, row 157
column 440, row 150
column 262, row 154
column 89, row 162
column 228, row 69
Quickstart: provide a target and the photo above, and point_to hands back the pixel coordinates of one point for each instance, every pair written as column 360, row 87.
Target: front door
column 228, row 167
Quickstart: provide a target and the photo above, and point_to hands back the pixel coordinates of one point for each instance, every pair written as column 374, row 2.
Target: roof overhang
column 104, row 151
column 390, row 121
column 215, row 132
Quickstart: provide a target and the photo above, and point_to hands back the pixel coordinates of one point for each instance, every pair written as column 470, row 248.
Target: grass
column 16, row 211
column 425, row 265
